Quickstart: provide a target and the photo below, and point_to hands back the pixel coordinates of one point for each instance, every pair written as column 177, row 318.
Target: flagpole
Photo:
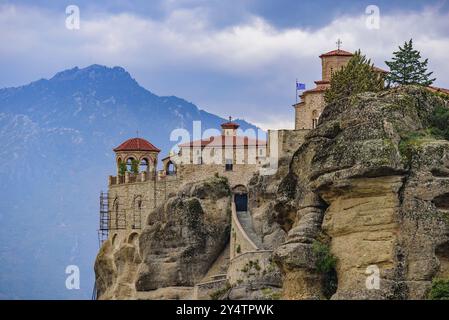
column 296, row 87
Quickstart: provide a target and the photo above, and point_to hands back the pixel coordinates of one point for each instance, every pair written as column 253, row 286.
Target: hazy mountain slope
column 56, row 138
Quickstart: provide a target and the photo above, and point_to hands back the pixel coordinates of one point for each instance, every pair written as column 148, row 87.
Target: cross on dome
column 339, row 43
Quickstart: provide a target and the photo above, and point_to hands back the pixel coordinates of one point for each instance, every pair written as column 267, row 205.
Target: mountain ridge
column 57, row 136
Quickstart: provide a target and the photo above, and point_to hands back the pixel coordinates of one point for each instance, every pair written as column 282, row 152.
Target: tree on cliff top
column 356, row 77
column 406, row 67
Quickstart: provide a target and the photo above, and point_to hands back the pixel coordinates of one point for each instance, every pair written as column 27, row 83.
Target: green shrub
column 270, row 295
column 134, row 166
column 440, row 122
column 439, row 290
column 325, row 264
column 122, row 168
column 217, row 294
column 238, row 249
column 325, row 260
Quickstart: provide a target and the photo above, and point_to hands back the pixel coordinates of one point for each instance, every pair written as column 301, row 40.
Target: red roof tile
column 230, row 125
column 379, row 69
column 136, row 144
column 337, row 53
column 223, row 141
column 436, row 89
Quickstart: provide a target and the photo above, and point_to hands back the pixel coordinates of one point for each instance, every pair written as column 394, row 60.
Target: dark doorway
column 241, row 201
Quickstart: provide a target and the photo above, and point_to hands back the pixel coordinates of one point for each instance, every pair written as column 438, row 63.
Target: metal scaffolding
column 103, row 230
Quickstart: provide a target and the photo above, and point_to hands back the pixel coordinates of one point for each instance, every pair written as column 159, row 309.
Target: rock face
column 361, row 211
column 180, row 242
column 372, row 183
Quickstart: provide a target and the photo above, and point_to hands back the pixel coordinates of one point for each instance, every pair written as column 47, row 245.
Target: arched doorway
column 240, row 198
column 170, row 168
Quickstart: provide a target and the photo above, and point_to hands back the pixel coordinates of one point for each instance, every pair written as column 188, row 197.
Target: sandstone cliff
column 367, row 191
column 372, row 183
column 181, row 240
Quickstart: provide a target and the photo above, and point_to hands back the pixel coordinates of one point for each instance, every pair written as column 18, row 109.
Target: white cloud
column 263, row 60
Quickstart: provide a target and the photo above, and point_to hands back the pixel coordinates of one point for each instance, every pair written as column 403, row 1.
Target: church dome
column 136, row 144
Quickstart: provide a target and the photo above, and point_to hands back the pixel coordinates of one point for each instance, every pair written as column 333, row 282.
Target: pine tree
column 406, row 67
column 356, row 77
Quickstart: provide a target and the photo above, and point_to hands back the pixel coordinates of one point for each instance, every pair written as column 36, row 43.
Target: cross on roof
column 339, row 43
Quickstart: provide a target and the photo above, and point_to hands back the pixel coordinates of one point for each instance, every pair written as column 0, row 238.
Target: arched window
column 137, row 212
column 144, row 165
column 129, row 164
column 133, row 238
column 315, row 117
column 115, row 208
column 114, row 240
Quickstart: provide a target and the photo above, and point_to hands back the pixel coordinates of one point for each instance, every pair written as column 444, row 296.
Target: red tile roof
column 322, row 82
column 136, row 144
column 379, row 69
column 223, row 141
column 230, row 125
column 337, row 53
column 436, row 89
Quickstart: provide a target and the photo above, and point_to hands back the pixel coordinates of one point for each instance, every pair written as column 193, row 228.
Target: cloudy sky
column 238, row 58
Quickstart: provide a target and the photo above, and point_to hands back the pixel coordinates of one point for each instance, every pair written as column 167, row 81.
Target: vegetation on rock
column 356, row 77
column 439, row 290
column 325, row 261
column 325, row 264
column 217, row 294
column 440, row 122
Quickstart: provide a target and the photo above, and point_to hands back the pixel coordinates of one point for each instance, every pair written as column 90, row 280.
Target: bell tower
column 333, row 61
column 135, row 156
column 229, row 128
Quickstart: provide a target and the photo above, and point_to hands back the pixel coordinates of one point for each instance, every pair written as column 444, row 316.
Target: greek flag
column 300, row 86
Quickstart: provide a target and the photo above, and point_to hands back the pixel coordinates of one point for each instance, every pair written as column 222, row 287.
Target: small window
column 228, row 166
column 314, row 123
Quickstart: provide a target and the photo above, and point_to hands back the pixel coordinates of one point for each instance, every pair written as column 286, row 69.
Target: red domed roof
column 136, row 144
column 338, row 52
column 230, row 125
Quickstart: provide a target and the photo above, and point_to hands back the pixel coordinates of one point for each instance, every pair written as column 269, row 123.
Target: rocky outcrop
column 361, row 211
column 180, row 242
column 372, row 183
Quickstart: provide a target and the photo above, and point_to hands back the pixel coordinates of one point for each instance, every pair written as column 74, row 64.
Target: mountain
column 56, row 138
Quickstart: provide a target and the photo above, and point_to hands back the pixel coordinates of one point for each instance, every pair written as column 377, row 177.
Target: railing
column 131, row 178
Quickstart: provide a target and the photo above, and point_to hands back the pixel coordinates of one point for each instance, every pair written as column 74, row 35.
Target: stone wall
column 288, row 141
column 240, row 242
column 313, row 101
column 240, row 174
column 250, row 265
column 203, row 291
column 151, row 193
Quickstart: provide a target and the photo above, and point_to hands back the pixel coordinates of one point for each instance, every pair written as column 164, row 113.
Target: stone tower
column 308, row 110
column 229, row 128
column 140, row 150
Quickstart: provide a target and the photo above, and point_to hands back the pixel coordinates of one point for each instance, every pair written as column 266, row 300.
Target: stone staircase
column 246, row 221
column 219, row 268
